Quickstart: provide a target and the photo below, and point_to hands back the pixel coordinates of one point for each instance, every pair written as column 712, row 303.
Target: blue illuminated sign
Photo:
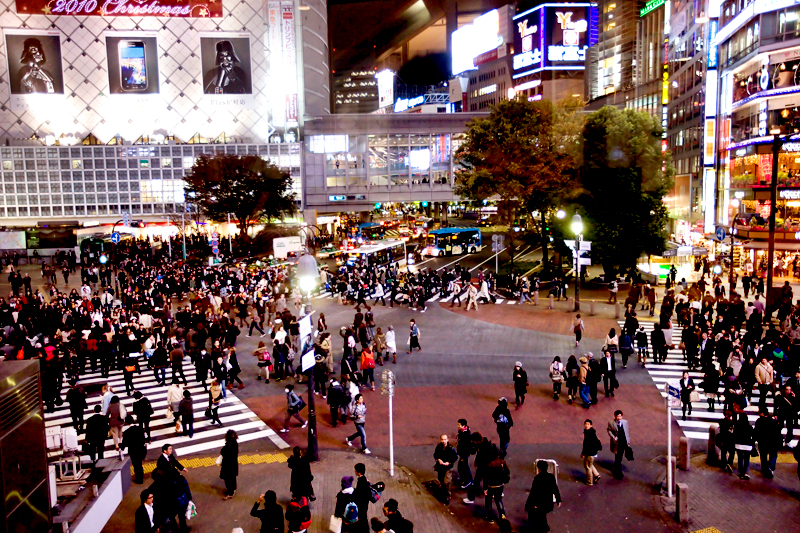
column 713, row 26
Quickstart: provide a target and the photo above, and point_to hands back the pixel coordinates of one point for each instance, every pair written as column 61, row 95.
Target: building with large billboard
column 550, row 45
column 106, row 104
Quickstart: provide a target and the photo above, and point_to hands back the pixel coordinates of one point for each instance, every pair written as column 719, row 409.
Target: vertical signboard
column 709, row 145
column 227, row 72
column 289, row 62
column 709, row 189
column 276, row 71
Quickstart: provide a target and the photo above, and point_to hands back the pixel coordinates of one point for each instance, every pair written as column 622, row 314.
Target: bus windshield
column 380, row 253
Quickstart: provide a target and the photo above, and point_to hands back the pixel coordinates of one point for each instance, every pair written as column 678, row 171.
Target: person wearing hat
column 520, row 378
column 343, row 498
column 226, row 77
column 583, row 378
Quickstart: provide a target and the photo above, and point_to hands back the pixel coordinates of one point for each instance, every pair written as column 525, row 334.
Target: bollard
column 616, row 310
column 551, row 301
column 713, row 451
column 681, row 502
column 536, row 298
column 570, row 304
column 684, row 454
column 673, row 461
column 591, row 308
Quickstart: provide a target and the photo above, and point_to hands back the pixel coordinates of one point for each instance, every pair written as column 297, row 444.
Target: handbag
column 219, row 460
column 335, row 525
column 178, row 427
column 694, row 396
column 682, row 345
column 629, row 453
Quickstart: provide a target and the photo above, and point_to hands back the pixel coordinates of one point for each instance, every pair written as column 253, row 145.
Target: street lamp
column 560, row 214
column 307, row 276
column 577, row 229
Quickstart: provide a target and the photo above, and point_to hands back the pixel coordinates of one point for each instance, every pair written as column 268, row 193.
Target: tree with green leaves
column 524, row 152
column 623, row 180
column 250, row 188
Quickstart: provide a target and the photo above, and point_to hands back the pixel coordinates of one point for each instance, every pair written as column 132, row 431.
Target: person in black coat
column 96, row 433
column 343, row 497
column 540, row 501
column 767, row 434
column 229, row 469
column 76, row 399
column 143, row 411
column 504, row 422
column 520, row 378
column 361, row 497
column 169, row 466
column 145, row 515
column 687, row 388
column 336, row 400
column 594, row 376
column 134, row 440
column 300, row 484
column 271, row 515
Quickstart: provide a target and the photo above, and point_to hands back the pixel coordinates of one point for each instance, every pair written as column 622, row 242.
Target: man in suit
column 361, row 497
column 544, row 492
column 134, row 440
column 620, row 440
column 144, row 517
column 168, row 464
column 609, row 369
column 706, row 350
column 96, row 433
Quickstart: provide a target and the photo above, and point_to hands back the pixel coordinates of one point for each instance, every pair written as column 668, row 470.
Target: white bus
column 378, row 254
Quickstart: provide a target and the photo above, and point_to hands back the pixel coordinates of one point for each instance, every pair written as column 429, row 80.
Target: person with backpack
column 503, row 421
column 346, row 507
column 295, row 404
column 335, row 400
column 359, row 415
column 362, row 496
column 641, row 345
column 298, row 515
column 557, row 376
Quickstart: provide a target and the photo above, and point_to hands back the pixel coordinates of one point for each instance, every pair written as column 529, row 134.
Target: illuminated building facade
column 105, row 105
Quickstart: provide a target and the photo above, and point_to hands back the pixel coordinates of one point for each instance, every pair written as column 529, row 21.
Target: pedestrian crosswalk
column 233, row 414
column 437, row 297
column 696, row 424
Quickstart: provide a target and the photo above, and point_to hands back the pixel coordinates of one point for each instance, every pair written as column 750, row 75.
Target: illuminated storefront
column 758, row 93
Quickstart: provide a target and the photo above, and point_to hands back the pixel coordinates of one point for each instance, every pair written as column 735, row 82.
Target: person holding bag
column 687, row 389
column 557, row 376
column 295, row 405
column 229, row 463
column 413, row 336
column 214, row 402
column 612, row 342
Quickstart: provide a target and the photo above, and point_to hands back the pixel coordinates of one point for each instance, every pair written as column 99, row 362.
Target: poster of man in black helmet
column 34, row 62
column 227, row 73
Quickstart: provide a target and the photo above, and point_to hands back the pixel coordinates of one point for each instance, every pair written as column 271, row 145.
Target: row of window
column 88, row 210
column 64, row 152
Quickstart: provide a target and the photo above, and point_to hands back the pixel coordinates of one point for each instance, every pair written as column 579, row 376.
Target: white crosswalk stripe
column 233, row 413
column 696, row 425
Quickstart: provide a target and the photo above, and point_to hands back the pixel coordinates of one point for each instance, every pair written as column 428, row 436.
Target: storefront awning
column 685, row 251
column 779, row 246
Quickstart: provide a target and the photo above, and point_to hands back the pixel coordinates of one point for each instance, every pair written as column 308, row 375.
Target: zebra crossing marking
column 234, row 414
column 696, row 424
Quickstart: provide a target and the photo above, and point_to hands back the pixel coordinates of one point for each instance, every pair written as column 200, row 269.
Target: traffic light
column 424, row 204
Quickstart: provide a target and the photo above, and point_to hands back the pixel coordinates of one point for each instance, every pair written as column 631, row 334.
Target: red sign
column 122, row 8
column 485, row 57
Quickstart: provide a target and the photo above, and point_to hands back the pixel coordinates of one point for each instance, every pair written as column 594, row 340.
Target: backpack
column 350, row 514
column 375, row 491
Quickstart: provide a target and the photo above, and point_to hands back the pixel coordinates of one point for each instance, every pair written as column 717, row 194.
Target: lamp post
column 773, row 208
column 307, row 274
column 577, row 229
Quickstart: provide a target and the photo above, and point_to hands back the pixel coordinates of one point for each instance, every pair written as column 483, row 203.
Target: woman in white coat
column 391, row 344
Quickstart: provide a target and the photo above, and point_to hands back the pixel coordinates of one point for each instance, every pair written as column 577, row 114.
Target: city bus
column 378, row 254
column 453, row 241
column 371, row 231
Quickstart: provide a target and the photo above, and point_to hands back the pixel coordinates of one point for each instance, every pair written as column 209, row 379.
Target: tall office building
column 611, row 63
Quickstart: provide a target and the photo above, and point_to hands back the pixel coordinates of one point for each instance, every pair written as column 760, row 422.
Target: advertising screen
column 474, row 39
column 34, row 62
column 553, row 37
column 226, row 65
column 385, row 88
column 132, row 63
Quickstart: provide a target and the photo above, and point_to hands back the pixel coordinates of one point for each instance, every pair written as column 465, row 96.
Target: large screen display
column 132, row 63
column 553, row 37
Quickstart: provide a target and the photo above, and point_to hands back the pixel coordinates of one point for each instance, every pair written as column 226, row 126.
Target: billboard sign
column 472, row 40
column 385, row 88
column 552, row 37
